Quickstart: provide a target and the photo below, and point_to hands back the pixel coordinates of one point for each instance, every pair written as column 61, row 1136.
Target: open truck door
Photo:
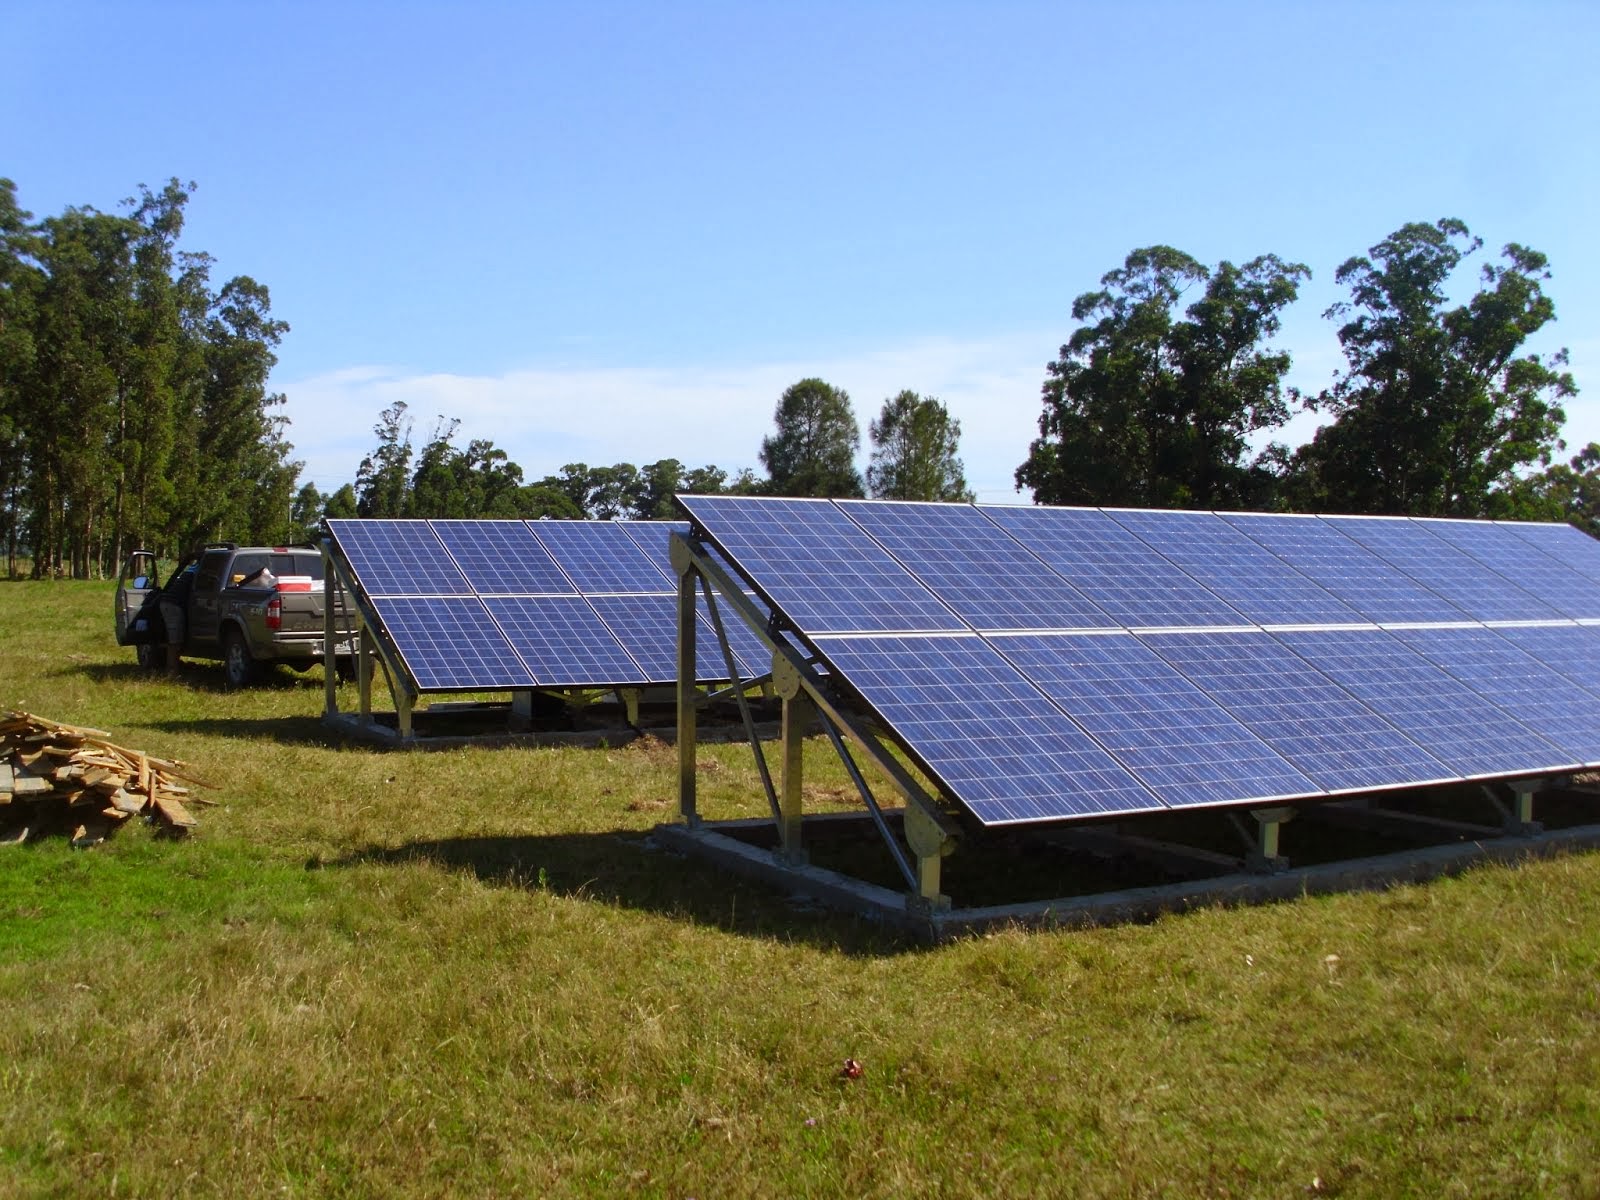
column 138, row 619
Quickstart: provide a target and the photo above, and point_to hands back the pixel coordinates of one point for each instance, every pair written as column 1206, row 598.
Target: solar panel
column 515, row 589
column 1460, row 728
column 449, row 643
column 1511, row 679
column 1460, row 579
column 1369, row 584
column 1115, row 570
column 1571, row 651
column 651, row 537
column 1175, row 739
column 502, row 558
column 563, row 641
column 397, row 558
column 1572, row 546
column 1239, row 659
column 958, row 554
column 651, row 623
column 1333, row 738
column 599, row 557
column 818, row 567
column 981, row 729
column 1267, row 590
column 1498, row 547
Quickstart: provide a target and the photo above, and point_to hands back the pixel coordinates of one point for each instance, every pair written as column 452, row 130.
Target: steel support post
column 630, row 704
column 1266, row 858
column 798, row 714
column 930, row 844
column 330, row 673
column 686, row 694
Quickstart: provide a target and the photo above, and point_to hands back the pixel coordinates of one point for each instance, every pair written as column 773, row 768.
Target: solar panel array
column 481, row 605
column 1051, row 663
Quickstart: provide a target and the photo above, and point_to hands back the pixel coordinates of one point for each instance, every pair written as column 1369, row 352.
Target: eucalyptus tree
column 20, row 281
column 384, row 476
column 1438, row 412
column 1151, row 408
column 915, row 451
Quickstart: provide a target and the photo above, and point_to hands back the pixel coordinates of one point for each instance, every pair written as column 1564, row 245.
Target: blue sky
column 616, row 232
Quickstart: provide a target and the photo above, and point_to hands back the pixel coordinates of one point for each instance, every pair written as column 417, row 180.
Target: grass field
column 469, row 973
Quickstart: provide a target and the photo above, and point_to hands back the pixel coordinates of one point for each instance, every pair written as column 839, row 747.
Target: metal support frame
column 1517, row 817
column 370, row 649
column 929, row 832
column 1263, row 857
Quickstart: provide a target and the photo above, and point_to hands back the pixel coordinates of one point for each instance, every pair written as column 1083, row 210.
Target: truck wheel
column 238, row 667
column 150, row 656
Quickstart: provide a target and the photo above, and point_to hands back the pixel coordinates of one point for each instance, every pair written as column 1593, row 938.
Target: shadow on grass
column 201, row 676
column 625, row 868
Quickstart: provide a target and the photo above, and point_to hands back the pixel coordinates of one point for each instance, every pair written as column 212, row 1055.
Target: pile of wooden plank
column 61, row 776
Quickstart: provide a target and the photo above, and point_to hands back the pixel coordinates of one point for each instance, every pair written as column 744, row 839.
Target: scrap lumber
column 77, row 778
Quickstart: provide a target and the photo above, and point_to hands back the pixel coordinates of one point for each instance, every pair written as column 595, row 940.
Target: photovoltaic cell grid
column 1250, row 578
column 1349, row 571
column 1410, row 546
column 1122, row 575
column 978, row 724
column 1516, row 559
column 958, row 554
column 398, row 558
column 495, row 605
column 819, row 567
column 1176, row 740
column 1195, row 703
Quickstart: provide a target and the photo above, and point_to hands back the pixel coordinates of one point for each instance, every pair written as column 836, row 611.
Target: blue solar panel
column 651, row 537
column 1115, row 570
column 502, row 558
column 1498, row 547
column 959, row 554
column 397, row 558
column 1410, row 546
column 1379, row 591
column 563, row 642
column 599, row 557
column 1322, row 729
column 1572, row 546
column 1259, row 584
column 449, row 643
column 1509, row 678
column 983, row 731
column 1572, row 651
column 1175, row 739
column 818, row 567
column 1459, row 727
column 651, row 626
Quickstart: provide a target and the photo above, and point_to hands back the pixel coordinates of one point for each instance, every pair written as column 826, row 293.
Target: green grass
column 469, row 973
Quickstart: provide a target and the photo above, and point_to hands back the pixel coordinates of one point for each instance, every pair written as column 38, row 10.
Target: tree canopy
column 1437, row 412
column 813, row 451
column 1147, row 408
column 133, row 398
column 914, row 457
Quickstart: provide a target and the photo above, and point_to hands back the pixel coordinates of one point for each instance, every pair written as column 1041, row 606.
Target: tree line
column 812, row 452
column 134, row 407
column 133, row 391
column 1438, row 411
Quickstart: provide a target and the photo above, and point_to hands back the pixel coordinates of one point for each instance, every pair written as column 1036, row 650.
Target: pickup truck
column 249, row 606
